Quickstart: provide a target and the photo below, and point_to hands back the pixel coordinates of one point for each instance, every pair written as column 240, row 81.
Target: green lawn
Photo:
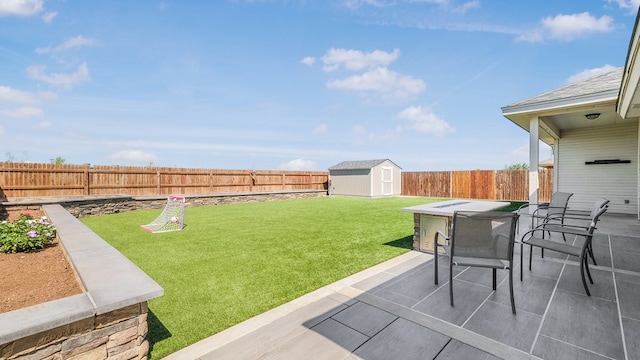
column 232, row 262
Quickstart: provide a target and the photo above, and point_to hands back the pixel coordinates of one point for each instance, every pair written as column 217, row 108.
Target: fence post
column 87, row 180
column 158, row 187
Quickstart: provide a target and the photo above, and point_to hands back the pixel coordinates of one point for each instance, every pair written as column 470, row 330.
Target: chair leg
column 451, row 283
column 590, row 249
column 584, row 281
column 435, row 269
column 513, row 302
column 521, row 264
column 494, row 279
column 586, row 266
column 530, row 256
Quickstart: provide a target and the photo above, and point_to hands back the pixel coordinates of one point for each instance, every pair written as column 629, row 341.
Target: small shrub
column 26, row 234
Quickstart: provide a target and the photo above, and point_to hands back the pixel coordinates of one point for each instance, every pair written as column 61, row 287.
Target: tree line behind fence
column 26, row 180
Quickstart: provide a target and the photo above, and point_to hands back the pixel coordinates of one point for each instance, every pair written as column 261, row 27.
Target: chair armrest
column 435, row 240
column 535, row 212
column 539, row 205
column 559, row 229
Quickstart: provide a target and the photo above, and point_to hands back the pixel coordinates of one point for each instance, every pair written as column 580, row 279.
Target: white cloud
column 425, row 121
column 627, row 4
column 20, row 7
column 48, row 17
column 63, row 81
column 355, row 60
column 299, row 165
column 359, row 129
column 589, row 73
column 1, row 131
column 320, row 129
column 7, row 94
column 467, row 6
column 354, row 4
column 44, row 124
column 568, row 27
column 78, row 41
column 22, row 112
column 134, row 155
column 308, row 61
column 384, row 81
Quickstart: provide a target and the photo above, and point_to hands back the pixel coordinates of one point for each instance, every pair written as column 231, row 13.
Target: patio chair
column 546, row 211
column 536, row 238
column 479, row 239
column 581, row 219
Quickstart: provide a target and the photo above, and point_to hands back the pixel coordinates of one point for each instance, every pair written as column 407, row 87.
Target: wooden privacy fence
column 24, row 180
column 20, row 180
column 510, row 185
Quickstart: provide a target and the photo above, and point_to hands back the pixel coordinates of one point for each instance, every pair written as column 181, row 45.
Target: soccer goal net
column 171, row 219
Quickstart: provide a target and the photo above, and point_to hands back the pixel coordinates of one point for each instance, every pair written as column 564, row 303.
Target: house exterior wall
column 616, row 182
column 352, row 182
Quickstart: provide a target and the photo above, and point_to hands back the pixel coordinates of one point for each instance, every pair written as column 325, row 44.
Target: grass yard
column 232, row 262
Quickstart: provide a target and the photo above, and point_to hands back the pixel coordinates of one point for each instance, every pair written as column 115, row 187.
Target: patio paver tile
column 467, row 298
column 456, row 350
column 405, row 340
column 548, row 348
column 531, row 295
column 602, row 286
column 586, row 322
column 328, row 340
column 632, row 337
column 628, row 294
column 496, row 321
column 365, row 318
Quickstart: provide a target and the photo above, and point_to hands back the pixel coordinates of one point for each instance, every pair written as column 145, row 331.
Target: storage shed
column 370, row 178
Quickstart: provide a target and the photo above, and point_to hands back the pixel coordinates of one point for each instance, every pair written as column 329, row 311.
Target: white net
column 171, row 219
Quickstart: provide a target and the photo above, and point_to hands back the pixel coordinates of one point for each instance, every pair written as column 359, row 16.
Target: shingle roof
column 600, row 84
column 359, row 164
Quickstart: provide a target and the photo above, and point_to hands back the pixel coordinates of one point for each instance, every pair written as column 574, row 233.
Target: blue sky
column 284, row 84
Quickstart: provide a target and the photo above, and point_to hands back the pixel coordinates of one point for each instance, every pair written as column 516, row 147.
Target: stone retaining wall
column 107, row 321
column 93, row 206
column 119, row 334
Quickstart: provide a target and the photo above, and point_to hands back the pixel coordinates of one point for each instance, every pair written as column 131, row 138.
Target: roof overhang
column 628, row 105
column 558, row 115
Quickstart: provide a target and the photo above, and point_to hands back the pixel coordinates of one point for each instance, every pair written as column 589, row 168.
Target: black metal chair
column 479, row 239
column 536, row 238
column 579, row 219
column 545, row 212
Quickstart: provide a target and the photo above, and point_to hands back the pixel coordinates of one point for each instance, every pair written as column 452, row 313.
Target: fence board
column 20, row 180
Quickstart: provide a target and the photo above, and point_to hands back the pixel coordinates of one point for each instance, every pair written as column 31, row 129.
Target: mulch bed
column 35, row 277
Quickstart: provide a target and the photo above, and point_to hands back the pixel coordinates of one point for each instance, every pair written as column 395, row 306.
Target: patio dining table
column 433, row 217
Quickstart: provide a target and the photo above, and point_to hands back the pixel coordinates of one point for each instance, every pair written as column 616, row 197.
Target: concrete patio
column 394, row 311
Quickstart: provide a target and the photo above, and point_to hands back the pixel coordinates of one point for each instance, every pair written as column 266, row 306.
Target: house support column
column 534, row 161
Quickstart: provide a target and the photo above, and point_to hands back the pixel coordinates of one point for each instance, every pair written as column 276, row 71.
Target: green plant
column 521, row 166
column 26, row 234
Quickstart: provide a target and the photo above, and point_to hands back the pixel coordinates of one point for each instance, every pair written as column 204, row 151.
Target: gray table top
column 446, row 208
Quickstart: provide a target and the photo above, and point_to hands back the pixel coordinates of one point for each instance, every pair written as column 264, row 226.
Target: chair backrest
column 559, row 202
column 488, row 234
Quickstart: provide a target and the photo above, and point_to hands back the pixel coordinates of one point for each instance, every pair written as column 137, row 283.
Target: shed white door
column 387, row 180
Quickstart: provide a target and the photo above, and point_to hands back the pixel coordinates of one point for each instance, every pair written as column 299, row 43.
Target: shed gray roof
column 359, row 164
column 604, row 85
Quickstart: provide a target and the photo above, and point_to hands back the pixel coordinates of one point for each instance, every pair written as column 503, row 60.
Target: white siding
column 367, row 182
column 350, row 182
column 616, row 182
